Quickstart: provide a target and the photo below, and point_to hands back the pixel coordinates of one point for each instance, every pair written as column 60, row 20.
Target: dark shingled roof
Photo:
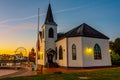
column 60, row 35
column 84, row 30
column 49, row 17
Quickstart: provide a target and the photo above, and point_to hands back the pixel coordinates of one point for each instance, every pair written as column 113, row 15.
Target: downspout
column 67, row 53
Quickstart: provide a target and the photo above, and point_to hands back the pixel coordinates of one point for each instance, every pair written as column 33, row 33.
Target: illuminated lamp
column 89, row 51
column 110, row 50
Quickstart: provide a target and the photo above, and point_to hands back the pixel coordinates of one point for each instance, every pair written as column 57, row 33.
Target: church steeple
column 49, row 16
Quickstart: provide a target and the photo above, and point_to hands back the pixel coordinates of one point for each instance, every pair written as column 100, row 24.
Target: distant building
column 32, row 55
column 18, row 56
column 82, row 46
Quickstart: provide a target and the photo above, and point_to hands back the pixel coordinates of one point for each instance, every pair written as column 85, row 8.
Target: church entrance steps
column 51, row 65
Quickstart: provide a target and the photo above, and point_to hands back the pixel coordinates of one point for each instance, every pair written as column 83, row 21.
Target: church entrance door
column 50, row 55
column 50, row 58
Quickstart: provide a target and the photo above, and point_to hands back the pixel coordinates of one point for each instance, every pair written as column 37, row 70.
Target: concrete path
column 26, row 71
column 6, row 72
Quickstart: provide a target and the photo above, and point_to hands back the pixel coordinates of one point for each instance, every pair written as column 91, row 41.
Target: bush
column 115, row 58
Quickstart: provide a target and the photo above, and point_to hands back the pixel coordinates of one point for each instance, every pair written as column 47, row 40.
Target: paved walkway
column 26, row 71
column 6, row 72
column 68, row 70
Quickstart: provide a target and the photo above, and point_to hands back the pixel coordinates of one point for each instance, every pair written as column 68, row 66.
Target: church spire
column 49, row 16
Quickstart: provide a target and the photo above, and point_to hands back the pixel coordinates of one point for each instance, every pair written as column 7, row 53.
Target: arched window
column 97, row 52
column 73, row 52
column 60, row 53
column 51, row 33
column 56, row 53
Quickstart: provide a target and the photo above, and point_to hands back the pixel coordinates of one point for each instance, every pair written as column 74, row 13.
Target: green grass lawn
column 111, row 74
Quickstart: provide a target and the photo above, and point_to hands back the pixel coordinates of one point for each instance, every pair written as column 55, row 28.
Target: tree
column 116, row 46
column 115, row 54
column 111, row 45
column 115, row 58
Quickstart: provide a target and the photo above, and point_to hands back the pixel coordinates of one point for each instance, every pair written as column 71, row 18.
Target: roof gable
column 85, row 31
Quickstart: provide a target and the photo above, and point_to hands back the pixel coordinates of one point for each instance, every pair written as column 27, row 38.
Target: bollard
column 32, row 67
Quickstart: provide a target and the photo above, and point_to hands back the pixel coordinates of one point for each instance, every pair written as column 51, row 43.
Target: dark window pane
column 60, row 53
column 97, row 52
column 56, row 53
column 51, row 33
column 73, row 52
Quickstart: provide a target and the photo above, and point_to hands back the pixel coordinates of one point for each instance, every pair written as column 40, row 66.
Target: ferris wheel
column 21, row 50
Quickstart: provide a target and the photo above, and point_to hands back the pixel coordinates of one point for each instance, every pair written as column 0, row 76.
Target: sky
column 18, row 19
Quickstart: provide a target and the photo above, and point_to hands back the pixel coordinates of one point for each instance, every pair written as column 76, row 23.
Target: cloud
column 33, row 16
column 6, row 29
column 26, row 26
column 69, row 9
column 19, row 27
column 19, row 19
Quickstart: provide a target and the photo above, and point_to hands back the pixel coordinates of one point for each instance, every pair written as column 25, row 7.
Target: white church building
column 83, row 46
